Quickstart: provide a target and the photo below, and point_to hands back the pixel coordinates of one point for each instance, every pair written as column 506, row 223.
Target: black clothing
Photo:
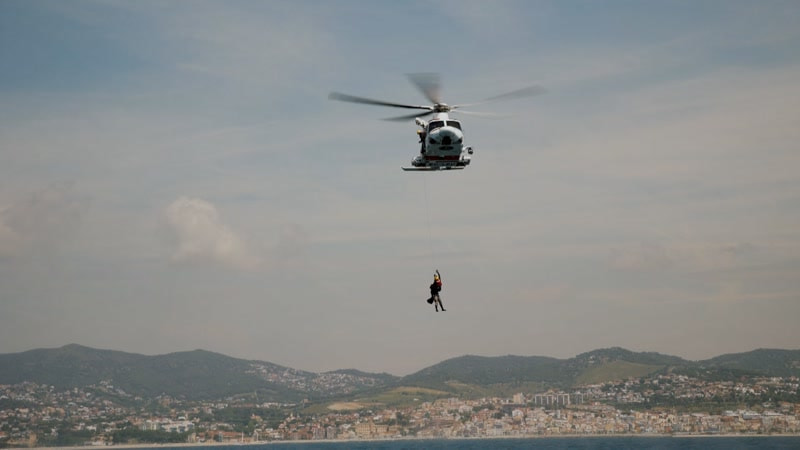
column 436, row 287
column 437, row 302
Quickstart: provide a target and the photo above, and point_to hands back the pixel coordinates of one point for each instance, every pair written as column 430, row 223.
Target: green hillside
column 196, row 374
column 383, row 378
column 199, row 374
column 773, row 362
column 509, row 373
column 405, row 396
column 620, row 354
column 65, row 367
column 482, row 371
column 616, row 370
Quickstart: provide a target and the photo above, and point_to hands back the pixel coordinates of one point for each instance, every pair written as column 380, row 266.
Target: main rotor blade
column 483, row 114
column 408, row 117
column 519, row 93
column 429, row 84
column 353, row 99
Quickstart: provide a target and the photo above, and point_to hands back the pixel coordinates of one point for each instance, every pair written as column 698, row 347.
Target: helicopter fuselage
column 441, row 139
column 441, row 145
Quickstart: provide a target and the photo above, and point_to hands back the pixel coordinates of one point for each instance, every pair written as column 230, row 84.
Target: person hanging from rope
column 436, row 287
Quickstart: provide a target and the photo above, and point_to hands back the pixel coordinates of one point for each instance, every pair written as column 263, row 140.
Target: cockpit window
column 435, row 124
column 454, row 124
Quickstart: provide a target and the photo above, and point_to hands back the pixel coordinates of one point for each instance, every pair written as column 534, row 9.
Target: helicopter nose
column 448, row 135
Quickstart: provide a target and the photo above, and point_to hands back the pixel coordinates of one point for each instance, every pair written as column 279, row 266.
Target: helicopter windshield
column 454, row 124
column 435, row 124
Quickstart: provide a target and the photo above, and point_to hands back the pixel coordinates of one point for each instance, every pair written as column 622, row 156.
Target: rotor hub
column 441, row 107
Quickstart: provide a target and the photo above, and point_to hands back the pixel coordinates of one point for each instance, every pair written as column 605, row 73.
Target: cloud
column 657, row 175
column 202, row 237
column 684, row 256
column 292, row 242
column 9, row 240
column 475, row 16
column 248, row 44
column 645, row 256
column 43, row 220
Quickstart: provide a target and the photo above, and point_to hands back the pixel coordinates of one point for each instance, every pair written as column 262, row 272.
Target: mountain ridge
column 202, row 374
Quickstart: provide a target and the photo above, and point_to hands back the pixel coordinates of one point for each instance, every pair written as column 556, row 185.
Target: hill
column 194, row 375
column 773, row 362
column 201, row 375
column 482, row 370
column 502, row 373
column 607, row 355
column 475, row 376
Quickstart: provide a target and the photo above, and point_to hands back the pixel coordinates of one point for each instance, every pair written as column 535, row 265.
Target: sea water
column 556, row 443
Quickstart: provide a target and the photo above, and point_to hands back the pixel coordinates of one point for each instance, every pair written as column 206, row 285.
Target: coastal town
column 34, row 415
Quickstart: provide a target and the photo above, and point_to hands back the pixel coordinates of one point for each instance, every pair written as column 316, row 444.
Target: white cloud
column 44, row 219
column 684, row 256
column 642, row 257
column 293, row 241
column 252, row 46
column 657, row 175
column 478, row 17
column 202, row 237
column 9, row 239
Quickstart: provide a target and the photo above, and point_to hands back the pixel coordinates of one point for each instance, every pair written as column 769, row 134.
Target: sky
column 173, row 177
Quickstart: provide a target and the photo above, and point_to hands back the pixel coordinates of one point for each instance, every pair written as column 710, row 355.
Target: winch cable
column 428, row 217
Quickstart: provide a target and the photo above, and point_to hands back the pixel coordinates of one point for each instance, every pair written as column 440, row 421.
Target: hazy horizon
column 173, row 176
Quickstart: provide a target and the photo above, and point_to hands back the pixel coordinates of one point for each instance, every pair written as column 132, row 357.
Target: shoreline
column 415, row 438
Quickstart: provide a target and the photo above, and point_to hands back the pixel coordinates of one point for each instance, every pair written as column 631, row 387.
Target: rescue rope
column 428, row 217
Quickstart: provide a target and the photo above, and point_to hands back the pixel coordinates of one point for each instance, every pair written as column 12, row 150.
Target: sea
column 556, row 443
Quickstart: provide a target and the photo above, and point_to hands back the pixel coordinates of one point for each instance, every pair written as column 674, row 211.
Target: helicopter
column 441, row 138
